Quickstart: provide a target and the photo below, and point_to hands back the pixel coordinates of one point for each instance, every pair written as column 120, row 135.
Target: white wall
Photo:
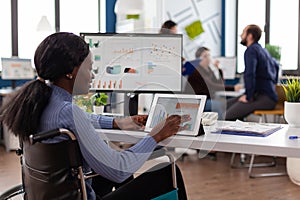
column 184, row 12
column 150, row 12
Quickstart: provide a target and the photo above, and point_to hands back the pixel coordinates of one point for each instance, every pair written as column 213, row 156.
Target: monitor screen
column 136, row 62
column 16, row 69
column 228, row 66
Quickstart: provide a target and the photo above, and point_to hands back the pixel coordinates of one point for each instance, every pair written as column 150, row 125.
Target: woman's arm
column 136, row 122
column 111, row 164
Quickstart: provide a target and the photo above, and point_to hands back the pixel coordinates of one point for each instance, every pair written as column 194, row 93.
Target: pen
column 293, row 137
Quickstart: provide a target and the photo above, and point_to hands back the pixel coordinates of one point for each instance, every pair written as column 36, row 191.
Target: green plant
column 292, row 89
column 99, row 99
column 84, row 102
column 275, row 51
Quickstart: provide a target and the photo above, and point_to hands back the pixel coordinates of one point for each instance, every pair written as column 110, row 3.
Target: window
column 79, row 16
column 249, row 12
column 284, row 28
column 31, row 32
column 5, row 39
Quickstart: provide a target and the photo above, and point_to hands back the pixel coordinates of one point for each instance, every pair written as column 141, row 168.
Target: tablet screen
column 166, row 106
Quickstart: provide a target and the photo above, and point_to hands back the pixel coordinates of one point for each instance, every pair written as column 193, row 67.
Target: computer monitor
column 17, row 69
column 228, row 66
column 136, row 62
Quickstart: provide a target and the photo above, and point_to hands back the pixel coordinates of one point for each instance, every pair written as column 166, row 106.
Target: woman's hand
column 168, row 127
column 136, row 122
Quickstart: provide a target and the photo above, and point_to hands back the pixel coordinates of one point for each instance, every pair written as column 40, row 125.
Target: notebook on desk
column 248, row 129
column 164, row 105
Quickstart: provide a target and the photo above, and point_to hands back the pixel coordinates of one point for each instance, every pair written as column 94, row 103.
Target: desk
column 5, row 91
column 276, row 144
column 230, row 93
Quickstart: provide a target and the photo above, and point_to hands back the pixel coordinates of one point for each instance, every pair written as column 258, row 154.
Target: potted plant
column 275, row 51
column 292, row 103
column 84, row 102
column 291, row 111
column 99, row 100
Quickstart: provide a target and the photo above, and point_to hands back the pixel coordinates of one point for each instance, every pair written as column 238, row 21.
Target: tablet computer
column 164, row 105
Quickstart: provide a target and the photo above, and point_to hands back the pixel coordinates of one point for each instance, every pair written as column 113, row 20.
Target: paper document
column 249, row 127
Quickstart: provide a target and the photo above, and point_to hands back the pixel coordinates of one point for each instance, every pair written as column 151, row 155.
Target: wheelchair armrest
column 50, row 134
column 89, row 175
column 162, row 151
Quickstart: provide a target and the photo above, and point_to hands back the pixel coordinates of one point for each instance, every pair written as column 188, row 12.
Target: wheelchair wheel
column 15, row 193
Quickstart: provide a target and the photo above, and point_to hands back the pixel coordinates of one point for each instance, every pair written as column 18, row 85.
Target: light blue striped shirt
column 109, row 163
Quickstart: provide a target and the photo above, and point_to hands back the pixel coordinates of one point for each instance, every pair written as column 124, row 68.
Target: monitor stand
column 131, row 102
column 13, row 84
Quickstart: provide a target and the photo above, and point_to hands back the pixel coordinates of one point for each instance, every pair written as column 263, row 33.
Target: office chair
column 277, row 112
column 54, row 170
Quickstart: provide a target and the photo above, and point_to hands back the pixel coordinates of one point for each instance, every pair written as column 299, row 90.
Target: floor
column 205, row 179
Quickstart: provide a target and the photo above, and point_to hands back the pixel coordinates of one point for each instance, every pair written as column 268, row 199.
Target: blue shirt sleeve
column 189, row 67
column 100, row 121
column 111, row 164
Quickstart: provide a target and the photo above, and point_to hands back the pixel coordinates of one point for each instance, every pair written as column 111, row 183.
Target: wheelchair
column 48, row 167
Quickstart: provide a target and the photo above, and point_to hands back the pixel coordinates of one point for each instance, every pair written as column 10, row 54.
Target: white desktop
column 276, row 144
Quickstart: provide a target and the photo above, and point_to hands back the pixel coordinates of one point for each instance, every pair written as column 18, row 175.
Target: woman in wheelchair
column 63, row 64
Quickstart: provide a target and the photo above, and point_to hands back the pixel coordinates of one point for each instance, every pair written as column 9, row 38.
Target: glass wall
column 36, row 21
column 284, row 26
column 79, row 16
column 249, row 12
column 83, row 16
column 5, row 24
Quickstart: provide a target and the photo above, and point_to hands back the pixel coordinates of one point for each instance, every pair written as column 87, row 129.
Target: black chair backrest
column 50, row 171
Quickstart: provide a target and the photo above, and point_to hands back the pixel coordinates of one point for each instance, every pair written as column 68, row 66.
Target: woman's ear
column 73, row 74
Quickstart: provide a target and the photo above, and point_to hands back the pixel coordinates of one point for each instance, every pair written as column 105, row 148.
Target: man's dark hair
column 255, row 31
column 167, row 25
